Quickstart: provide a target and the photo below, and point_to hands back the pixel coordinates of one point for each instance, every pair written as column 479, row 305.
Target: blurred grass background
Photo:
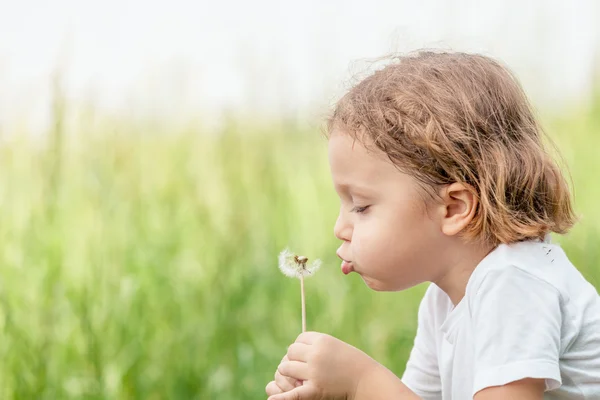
column 140, row 263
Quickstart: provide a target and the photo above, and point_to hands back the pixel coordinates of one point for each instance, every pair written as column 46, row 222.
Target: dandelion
column 296, row 266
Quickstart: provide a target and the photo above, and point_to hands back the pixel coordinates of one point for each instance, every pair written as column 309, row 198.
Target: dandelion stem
column 303, row 304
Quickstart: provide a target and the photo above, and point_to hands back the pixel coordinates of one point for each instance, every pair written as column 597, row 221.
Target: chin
column 376, row 285
column 380, row 286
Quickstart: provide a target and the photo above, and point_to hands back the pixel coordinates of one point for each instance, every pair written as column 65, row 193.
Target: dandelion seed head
column 296, row 266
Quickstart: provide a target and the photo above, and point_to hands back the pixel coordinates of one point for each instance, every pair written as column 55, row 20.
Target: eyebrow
column 359, row 190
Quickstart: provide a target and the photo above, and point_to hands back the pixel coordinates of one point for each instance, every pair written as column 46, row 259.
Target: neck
column 461, row 260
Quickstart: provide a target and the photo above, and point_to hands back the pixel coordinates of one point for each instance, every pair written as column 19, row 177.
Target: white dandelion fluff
column 296, row 266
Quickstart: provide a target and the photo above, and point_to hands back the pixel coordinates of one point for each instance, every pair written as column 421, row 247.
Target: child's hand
column 327, row 367
column 282, row 384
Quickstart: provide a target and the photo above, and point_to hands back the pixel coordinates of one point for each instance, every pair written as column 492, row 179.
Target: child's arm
column 526, row 389
column 381, row 383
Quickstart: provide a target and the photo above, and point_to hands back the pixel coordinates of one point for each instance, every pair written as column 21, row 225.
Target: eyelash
column 359, row 210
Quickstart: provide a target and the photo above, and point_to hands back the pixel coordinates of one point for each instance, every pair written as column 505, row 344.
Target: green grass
column 141, row 264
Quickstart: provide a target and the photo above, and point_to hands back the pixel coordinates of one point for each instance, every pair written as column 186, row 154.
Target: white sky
column 266, row 56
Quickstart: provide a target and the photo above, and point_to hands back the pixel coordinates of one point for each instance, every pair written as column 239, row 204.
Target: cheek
column 372, row 239
column 393, row 248
column 398, row 236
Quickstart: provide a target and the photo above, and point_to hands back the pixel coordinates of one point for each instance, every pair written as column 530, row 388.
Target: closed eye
column 359, row 210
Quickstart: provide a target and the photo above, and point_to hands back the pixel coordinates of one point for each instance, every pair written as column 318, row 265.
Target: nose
column 343, row 228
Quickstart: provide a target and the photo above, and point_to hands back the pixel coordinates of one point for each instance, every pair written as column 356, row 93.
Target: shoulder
column 527, row 304
column 521, row 282
column 527, row 266
column 516, row 313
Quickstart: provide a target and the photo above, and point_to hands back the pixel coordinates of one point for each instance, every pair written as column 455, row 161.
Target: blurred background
column 156, row 156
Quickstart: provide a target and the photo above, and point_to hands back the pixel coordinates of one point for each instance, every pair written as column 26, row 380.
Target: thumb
column 299, row 393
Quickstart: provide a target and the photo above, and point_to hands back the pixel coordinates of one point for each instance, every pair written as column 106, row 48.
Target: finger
column 300, row 393
column 294, row 369
column 273, row 389
column 308, row 337
column 284, row 383
column 284, row 359
column 298, row 352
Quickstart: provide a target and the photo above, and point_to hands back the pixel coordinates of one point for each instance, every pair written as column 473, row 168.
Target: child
column 443, row 178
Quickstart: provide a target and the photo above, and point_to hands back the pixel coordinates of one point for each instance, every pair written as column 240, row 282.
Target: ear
column 459, row 206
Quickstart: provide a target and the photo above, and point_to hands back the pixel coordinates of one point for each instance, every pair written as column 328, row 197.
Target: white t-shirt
column 527, row 313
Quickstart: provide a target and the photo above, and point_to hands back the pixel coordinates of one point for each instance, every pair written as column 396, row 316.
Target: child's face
column 393, row 242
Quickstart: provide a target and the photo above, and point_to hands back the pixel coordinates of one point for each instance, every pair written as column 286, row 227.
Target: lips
column 346, row 266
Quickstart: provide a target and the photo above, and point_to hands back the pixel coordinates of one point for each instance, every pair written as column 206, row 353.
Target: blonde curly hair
column 449, row 117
